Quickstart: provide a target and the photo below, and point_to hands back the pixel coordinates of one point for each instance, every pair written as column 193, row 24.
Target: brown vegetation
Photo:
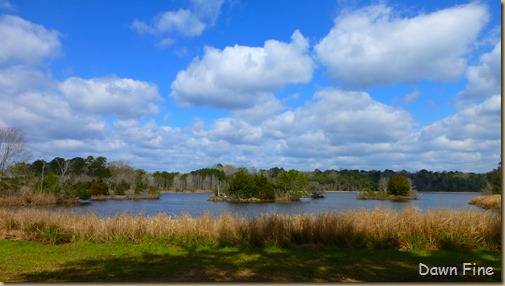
column 36, row 199
column 492, row 202
column 379, row 228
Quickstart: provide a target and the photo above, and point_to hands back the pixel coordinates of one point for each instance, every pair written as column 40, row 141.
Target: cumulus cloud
column 121, row 97
column 239, row 76
column 468, row 140
column 335, row 127
column 24, row 42
column 182, row 22
column 484, row 80
column 234, row 131
column 343, row 117
column 17, row 79
column 372, row 45
column 68, row 115
column 476, row 122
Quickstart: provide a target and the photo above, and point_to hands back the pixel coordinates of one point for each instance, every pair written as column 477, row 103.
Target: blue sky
column 182, row 85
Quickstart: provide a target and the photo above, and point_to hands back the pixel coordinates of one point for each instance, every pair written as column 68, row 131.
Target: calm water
column 197, row 204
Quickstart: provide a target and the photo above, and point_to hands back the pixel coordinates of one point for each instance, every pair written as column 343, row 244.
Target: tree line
column 88, row 176
column 83, row 177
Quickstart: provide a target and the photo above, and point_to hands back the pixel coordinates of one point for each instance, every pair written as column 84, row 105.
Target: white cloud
column 208, row 10
column 484, row 80
column 240, row 76
column 182, row 22
column 372, row 46
column 25, row 42
column 234, row 131
column 344, row 116
column 17, row 79
column 411, row 96
column 46, row 115
column 335, row 129
column 476, row 122
column 121, row 97
column 265, row 106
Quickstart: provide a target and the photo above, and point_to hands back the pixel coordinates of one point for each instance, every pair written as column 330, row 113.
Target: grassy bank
column 371, row 229
column 48, row 199
column 36, row 199
column 35, row 262
column 488, row 202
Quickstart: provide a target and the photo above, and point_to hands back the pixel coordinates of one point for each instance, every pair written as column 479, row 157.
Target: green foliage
column 220, row 175
column 82, row 190
column 121, row 188
column 99, row 188
column 78, row 166
column 265, row 189
column 140, row 181
column 163, row 179
column 51, row 184
column 98, row 167
column 56, row 165
column 241, row 185
column 494, row 179
column 292, row 183
column 398, row 185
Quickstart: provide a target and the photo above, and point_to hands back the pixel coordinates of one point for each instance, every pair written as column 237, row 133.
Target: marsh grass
column 35, row 199
column 371, row 229
column 492, row 202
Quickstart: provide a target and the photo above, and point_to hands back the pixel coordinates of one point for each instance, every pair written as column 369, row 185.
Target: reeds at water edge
column 378, row 228
column 492, row 202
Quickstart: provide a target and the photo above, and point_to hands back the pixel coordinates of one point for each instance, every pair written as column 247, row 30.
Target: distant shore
column 186, row 191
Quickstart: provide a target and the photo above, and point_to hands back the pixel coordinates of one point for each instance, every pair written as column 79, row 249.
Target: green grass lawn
column 22, row 261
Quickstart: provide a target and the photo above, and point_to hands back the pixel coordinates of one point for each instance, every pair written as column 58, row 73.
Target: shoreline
column 187, row 192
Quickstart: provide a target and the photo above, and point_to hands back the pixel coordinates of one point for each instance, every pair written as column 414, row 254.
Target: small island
column 397, row 188
column 243, row 186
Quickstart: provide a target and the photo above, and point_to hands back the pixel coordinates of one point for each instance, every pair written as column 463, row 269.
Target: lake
column 196, row 204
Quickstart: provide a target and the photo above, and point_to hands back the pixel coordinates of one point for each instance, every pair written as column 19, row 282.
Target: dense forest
column 83, row 177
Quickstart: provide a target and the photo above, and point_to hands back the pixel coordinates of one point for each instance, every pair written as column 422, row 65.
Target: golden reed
column 379, row 228
column 492, row 202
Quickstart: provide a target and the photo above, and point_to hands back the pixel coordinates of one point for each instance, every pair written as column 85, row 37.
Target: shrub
column 399, row 185
column 121, row 188
column 82, row 190
column 265, row 189
column 242, row 185
column 99, row 188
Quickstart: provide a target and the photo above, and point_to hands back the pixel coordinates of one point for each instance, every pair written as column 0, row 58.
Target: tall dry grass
column 492, row 202
column 379, row 228
column 30, row 199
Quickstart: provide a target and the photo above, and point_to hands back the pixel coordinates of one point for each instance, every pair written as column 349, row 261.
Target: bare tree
column 12, row 148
